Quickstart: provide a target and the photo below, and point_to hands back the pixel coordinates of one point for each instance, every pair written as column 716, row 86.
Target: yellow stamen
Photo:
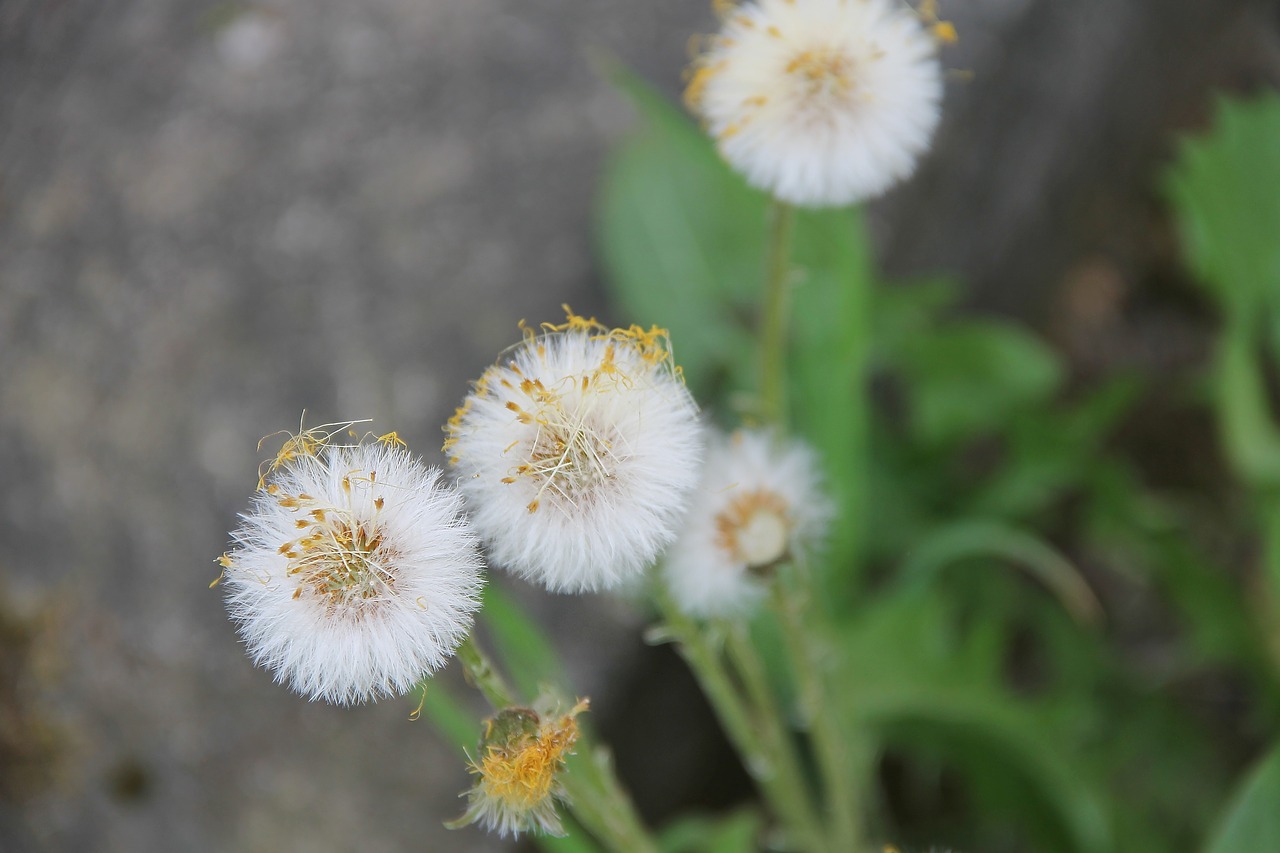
column 522, row 772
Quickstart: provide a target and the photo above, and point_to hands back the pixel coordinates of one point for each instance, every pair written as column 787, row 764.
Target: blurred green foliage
column 731, row 834
column 1226, row 193
column 999, row 710
column 1003, row 711
column 1253, row 820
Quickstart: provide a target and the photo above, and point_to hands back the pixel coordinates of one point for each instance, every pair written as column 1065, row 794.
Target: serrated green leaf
column 904, row 311
column 1249, row 433
column 1050, row 450
column 1224, row 187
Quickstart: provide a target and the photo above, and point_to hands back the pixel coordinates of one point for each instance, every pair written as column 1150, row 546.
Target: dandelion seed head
column 759, row 503
column 576, row 453
column 821, row 102
column 354, row 572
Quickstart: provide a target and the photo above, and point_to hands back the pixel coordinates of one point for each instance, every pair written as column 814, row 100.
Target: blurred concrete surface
column 216, row 215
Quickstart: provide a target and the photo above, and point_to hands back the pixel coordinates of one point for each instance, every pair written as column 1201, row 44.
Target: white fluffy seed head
column 576, row 454
column 760, row 502
column 820, row 102
column 354, row 573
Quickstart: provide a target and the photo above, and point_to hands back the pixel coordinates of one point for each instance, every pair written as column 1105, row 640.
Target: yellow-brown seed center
column 569, row 454
column 823, row 75
column 522, row 771
column 754, row 528
column 524, row 774
column 338, row 559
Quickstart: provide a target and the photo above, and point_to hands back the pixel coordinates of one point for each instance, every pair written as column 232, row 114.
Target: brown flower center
column 823, row 76
column 754, row 528
column 337, row 558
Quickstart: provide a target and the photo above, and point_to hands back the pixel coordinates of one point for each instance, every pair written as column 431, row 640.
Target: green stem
column 482, row 675
column 746, row 659
column 833, row 755
column 595, row 796
column 787, row 799
column 1270, row 607
column 598, row 800
column 775, row 317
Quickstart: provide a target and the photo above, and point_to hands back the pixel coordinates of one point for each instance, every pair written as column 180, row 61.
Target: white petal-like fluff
column 820, row 102
column 760, row 501
column 355, row 573
column 577, row 453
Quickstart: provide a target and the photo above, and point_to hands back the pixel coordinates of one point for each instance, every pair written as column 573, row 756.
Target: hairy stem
column 834, row 760
column 758, row 753
column 772, row 720
column 484, row 676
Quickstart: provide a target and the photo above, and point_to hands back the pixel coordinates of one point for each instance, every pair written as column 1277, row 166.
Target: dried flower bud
column 519, row 762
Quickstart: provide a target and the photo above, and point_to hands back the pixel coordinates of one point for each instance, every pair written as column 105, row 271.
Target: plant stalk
column 772, row 720
column 821, row 717
column 484, row 676
column 760, row 756
column 594, row 794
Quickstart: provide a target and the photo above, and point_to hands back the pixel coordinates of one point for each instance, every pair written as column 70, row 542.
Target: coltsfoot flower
column 518, row 766
column 577, row 453
column 821, row 102
column 760, row 502
column 355, row 572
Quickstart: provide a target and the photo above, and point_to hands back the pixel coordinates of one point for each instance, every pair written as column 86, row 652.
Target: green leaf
column 699, row 834
column 1147, row 533
column 970, row 378
column 1050, row 450
column 908, row 669
column 1224, row 188
column 1250, row 436
column 682, row 238
column 449, row 715
column 830, row 350
column 966, row 540
column 1252, row 820
column 904, row 311
column 523, row 647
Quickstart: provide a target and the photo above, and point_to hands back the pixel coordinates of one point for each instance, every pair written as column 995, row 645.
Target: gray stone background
column 215, row 215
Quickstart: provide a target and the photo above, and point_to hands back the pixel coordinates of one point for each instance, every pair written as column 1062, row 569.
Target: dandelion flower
column 577, row 453
column 354, row 573
column 821, row 102
column 759, row 503
column 520, row 760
